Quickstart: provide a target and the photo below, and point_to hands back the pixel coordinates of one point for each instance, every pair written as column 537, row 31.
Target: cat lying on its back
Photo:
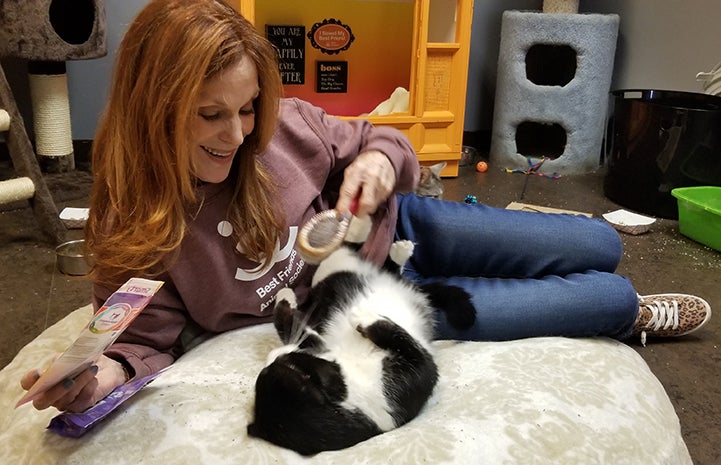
column 357, row 360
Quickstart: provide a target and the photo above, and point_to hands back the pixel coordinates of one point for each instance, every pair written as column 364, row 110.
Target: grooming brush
column 324, row 233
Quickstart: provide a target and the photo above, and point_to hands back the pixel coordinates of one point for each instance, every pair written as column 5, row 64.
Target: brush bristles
column 321, row 235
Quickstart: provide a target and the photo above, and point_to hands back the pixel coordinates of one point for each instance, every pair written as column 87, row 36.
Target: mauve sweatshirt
column 210, row 287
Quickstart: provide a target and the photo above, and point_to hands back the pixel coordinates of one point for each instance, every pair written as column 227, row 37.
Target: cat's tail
column 454, row 301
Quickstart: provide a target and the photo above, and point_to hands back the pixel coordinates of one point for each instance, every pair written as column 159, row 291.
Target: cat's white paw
column 362, row 317
column 288, row 295
column 401, row 251
column 359, row 229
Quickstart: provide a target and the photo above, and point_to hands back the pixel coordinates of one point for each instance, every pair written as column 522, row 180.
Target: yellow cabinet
column 409, row 51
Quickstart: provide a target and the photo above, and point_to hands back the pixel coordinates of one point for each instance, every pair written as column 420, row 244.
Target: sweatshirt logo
column 279, row 255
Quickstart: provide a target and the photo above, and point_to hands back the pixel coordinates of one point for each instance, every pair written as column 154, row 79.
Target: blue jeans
column 529, row 274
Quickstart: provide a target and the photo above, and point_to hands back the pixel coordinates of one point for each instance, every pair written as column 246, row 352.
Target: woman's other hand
column 81, row 392
column 370, row 179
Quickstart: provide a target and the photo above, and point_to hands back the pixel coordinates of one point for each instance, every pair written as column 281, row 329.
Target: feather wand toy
column 533, row 168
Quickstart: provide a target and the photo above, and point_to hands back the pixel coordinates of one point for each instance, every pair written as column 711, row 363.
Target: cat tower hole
column 550, row 64
column 75, row 28
column 540, row 140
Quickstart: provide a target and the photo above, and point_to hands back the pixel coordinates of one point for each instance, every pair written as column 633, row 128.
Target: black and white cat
column 358, row 357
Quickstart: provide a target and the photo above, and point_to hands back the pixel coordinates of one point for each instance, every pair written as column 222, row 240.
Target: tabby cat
column 430, row 184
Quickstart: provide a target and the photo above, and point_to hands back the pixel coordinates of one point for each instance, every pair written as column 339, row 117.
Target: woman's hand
column 370, row 179
column 81, row 392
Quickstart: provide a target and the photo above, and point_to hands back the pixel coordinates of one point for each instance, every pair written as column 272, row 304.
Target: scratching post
column 4, row 120
column 51, row 115
column 31, row 184
column 554, row 75
column 46, row 33
column 16, row 189
column 560, row 6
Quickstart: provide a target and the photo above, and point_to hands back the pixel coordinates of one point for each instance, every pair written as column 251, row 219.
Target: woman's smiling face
column 225, row 116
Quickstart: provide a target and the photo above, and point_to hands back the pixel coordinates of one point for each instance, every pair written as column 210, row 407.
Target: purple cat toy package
column 118, row 311
column 74, row 425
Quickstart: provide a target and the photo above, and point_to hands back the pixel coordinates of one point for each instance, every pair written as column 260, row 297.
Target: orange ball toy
column 481, row 166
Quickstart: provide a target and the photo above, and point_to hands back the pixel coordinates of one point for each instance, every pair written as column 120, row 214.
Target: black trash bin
column 659, row 140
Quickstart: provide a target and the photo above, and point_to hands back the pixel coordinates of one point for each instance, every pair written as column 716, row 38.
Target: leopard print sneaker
column 670, row 315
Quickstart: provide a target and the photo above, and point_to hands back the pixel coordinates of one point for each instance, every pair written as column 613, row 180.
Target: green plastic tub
column 699, row 214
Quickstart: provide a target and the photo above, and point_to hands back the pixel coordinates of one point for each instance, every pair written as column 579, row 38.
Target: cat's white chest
column 361, row 363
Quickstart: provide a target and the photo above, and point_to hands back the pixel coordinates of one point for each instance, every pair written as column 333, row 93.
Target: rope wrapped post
column 12, row 190
column 560, row 6
column 51, row 115
column 4, row 121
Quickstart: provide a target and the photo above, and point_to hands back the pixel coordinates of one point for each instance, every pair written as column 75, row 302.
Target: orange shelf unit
column 421, row 46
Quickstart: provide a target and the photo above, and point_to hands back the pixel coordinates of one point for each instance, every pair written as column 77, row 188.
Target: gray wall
column 662, row 44
column 88, row 80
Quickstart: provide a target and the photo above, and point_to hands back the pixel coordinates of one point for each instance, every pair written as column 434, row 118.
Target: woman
column 203, row 175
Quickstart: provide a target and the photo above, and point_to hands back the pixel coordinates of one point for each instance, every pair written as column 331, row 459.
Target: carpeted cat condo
column 52, row 30
column 554, row 75
column 47, row 33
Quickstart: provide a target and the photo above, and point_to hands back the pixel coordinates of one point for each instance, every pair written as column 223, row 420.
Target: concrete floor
column 35, row 296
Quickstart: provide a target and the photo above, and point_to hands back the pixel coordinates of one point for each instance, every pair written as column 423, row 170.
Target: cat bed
column 541, row 400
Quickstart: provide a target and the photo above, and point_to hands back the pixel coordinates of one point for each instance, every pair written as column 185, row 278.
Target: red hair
column 144, row 189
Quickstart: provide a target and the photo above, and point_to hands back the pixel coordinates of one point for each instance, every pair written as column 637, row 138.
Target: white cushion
column 542, row 400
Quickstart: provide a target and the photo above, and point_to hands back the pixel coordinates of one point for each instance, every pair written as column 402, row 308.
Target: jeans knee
column 611, row 247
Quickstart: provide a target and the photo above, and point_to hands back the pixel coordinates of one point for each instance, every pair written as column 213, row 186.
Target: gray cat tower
column 554, row 75
column 45, row 33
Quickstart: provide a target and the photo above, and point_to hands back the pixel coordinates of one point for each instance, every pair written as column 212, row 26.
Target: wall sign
column 331, row 36
column 290, row 43
column 331, row 77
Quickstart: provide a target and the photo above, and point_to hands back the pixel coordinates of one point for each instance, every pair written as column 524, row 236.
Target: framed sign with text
column 331, row 77
column 331, row 36
column 290, row 43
